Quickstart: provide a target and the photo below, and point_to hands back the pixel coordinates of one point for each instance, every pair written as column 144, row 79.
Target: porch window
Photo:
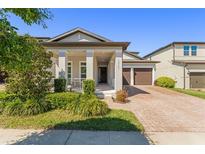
column 69, row 70
column 83, row 70
column 186, row 50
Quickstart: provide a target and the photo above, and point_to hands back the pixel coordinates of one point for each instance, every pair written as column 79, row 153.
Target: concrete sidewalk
column 70, row 137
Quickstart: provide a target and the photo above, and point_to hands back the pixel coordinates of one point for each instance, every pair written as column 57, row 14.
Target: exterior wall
column 179, row 52
column 76, row 65
column 78, row 37
column 167, row 68
column 128, row 57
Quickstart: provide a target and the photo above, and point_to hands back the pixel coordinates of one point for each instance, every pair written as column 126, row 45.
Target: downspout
column 185, row 76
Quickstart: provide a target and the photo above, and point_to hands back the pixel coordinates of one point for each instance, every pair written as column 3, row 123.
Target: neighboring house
column 182, row 61
column 79, row 54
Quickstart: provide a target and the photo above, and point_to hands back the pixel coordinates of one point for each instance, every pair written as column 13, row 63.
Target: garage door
column 126, row 76
column 143, row 76
column 197, row 80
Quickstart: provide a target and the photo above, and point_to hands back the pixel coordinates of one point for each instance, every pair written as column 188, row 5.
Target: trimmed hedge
column 60, row 100
column 59, row 85
column 166, row 82
column 89, row 87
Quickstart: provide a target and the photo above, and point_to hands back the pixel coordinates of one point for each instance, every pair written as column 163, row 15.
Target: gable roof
column 78, row 29
column 170, row 44
column 133, row 55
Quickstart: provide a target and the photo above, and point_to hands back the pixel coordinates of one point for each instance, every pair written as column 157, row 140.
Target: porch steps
column 107, row 93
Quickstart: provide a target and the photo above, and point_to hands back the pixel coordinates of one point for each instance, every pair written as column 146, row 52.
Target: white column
column 118, row 70
column 62, row 64
column 153, row 75
column 132, row 76
column 89, row 64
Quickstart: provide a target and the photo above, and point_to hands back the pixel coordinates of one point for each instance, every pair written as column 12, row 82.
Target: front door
column 102, row 74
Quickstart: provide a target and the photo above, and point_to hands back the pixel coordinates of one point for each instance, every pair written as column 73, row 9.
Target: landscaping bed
column 115, row 120
column 200, row 94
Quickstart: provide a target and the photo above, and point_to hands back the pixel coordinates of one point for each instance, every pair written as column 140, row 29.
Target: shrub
column 165, row 82
column 33, row 107
column 89, row 87
column 121, row 96
column 59, row 85
column 14, row 108
column 2, row 106
column 59, row 100
column 88, row 106
column 92, row 107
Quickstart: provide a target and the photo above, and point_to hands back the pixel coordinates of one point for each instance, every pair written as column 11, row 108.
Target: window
column 193, row 50
column 69, row 70
column 186, row 50
column 83, row 70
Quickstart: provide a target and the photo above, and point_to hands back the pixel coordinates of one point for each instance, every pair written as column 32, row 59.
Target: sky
column 146, row 29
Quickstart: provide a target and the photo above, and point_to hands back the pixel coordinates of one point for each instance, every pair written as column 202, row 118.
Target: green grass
column 200, row 94
column 118, row 120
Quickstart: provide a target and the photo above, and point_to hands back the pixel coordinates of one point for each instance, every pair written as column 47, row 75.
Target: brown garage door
column 126, row 76
column 143, row 76
column 197, row 80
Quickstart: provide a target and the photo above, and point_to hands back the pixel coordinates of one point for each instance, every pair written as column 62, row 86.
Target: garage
column 126, row 76
column 143, row 76
column 197, row 79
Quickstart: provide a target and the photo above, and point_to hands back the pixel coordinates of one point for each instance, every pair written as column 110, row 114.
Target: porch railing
column 75, row 83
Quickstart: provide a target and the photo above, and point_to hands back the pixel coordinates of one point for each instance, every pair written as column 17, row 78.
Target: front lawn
column 118, row 120
column 200, row 94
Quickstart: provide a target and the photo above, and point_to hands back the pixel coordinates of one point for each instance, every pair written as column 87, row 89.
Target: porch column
column 89, row 64
column 132, row 76
column 118, row 69
column 62, row 64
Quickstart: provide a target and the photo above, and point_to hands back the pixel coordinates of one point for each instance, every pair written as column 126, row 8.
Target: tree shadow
column 116, row 129
column 132, row 90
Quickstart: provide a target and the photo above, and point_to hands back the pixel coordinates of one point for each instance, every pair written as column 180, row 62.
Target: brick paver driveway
column 163, row 110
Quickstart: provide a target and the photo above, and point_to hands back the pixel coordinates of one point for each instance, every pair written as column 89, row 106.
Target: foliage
column 28, row 108
column 88, row 105
column 165, row 82
column 60, row 100
column 16, row 51
column 32, row 107
column 121, row 96
column 89, row 87
column 34, row 82
column 14, row 108
column 59, row 85
column 2, row 106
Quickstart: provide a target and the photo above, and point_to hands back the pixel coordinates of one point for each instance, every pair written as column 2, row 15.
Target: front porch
column 103, row 65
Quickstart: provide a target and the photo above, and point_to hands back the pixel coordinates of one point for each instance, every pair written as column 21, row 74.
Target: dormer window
column 186, row 50
column 193, row 50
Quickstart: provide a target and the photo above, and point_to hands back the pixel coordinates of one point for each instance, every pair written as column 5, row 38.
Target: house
column 79, row 54
column 182, row 61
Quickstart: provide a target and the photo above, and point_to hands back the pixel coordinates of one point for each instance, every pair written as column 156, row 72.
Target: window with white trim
column 69, row 72
column 186, row 50
column 193, row 50
column 83, row 70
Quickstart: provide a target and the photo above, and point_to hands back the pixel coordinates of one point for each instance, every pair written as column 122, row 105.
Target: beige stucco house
column 79, row 54
column 182, row 61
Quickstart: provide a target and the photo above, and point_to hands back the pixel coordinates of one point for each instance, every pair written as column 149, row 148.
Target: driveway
column 164, row 110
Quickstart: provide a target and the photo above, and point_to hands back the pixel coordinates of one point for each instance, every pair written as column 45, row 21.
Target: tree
column 14, row 52
column 32, row 83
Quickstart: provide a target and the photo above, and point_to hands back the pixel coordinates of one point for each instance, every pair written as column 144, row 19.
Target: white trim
column 197, row 70
column 80, row 68
column 71, row 69
column 153, row 75
column 132, row 76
